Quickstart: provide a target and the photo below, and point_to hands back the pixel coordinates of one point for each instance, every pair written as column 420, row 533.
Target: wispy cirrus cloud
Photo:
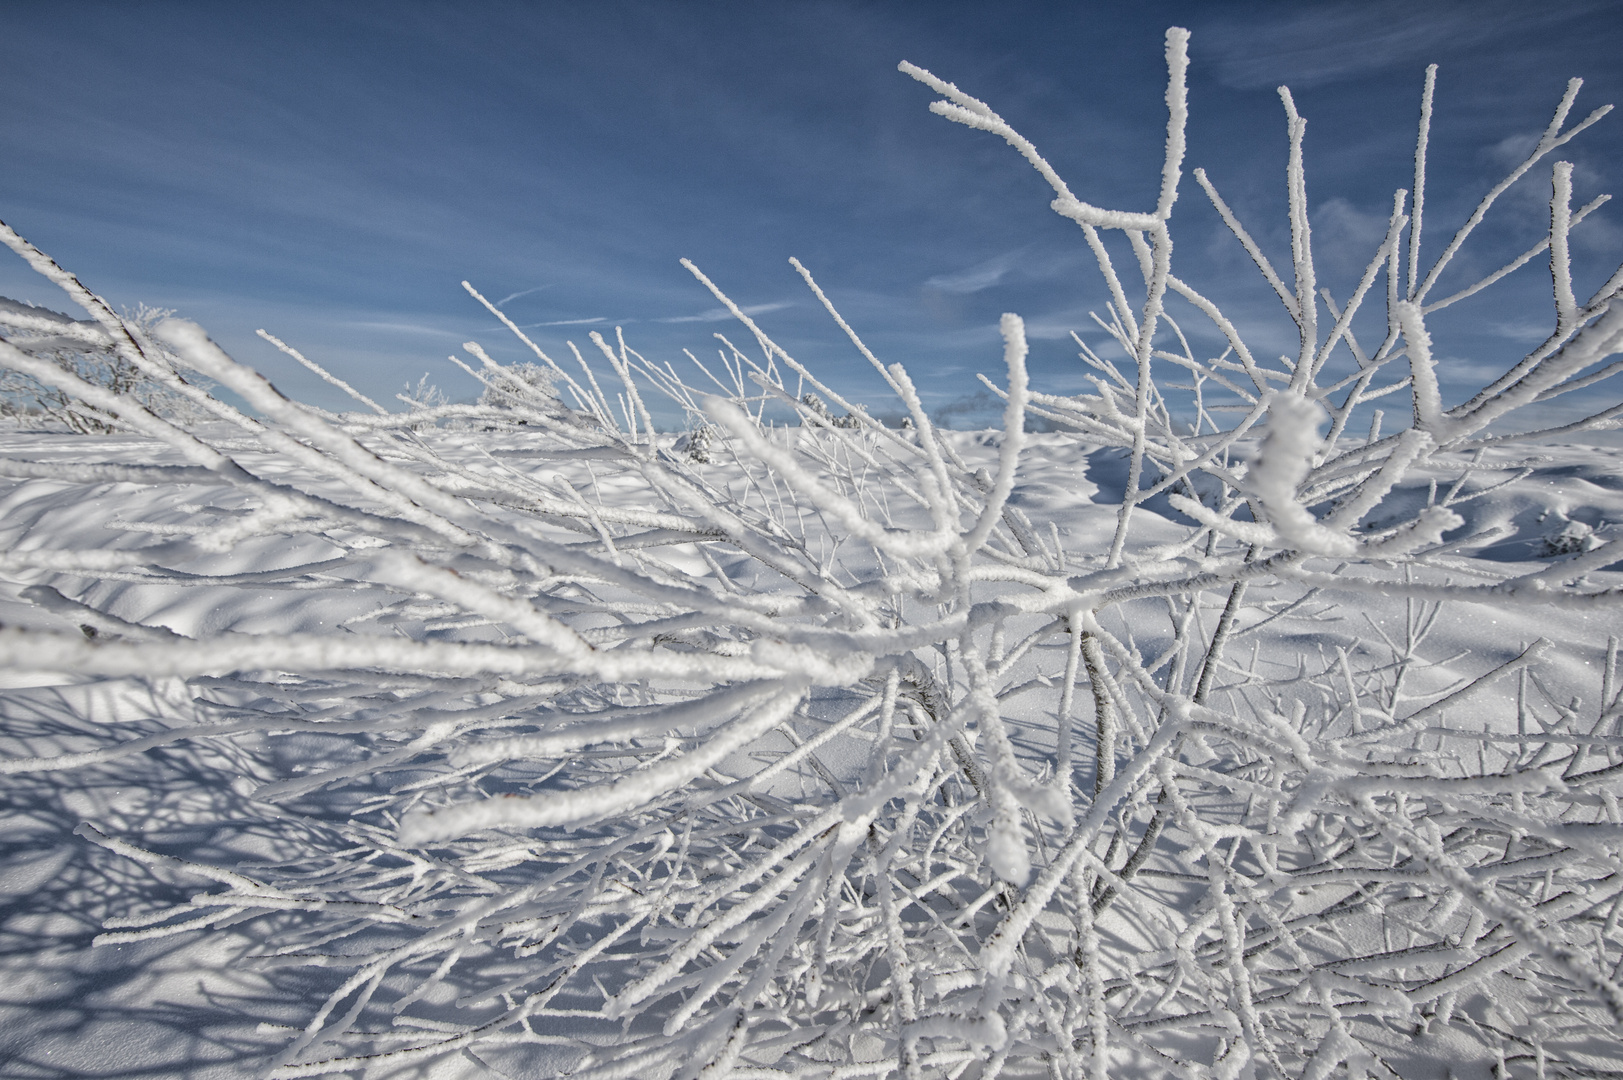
column 565, row 322
column 721, row 314
column 522, row 292
column 978, row 277
column 1024, row 263
column 398, row 327
column 1324, row 43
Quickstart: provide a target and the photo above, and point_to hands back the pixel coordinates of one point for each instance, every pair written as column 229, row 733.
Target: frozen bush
column 696, row 444
column 828, row 760
column 84, row 348
column 526, row 382
column 425, row 395
column 1571, row 538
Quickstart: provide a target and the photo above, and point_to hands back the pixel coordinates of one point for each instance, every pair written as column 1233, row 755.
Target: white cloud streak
column 1325, row 43
column 522, row 292
column 721, row 314
column 981, row 276
column 564, row 322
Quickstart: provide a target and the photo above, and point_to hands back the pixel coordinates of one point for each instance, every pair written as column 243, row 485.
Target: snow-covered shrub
column 832, row 760
column 696, row 444
column 425, row 395
column 86, row 349
column 525, row 382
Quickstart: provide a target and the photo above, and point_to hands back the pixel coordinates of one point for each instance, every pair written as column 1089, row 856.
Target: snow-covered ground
column 207, row 1002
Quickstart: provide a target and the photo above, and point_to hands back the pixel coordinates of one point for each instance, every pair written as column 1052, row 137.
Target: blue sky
column 331, row 171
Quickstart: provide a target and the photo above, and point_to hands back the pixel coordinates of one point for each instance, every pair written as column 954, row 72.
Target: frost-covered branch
column 804, row 746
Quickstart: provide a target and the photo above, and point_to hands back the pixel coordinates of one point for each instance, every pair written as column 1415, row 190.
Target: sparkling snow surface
column 196, row 1005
